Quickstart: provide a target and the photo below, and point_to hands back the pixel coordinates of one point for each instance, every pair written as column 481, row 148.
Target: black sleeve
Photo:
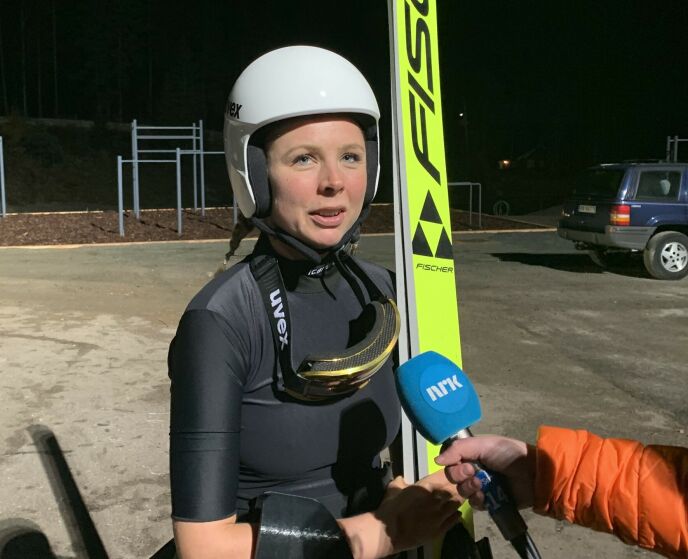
column 208, row 370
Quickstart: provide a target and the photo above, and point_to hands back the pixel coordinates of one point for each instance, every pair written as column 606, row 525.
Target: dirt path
column 84, row 335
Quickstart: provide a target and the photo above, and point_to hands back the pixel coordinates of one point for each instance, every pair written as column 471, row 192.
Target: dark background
column 550, row 85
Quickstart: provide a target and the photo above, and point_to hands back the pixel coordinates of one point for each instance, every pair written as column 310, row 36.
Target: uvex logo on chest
column 278, row 313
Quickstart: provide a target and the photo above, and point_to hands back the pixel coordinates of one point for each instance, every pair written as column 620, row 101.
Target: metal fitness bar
column 195, row 189
column 135, row 169
column 470, row 186
column 195, row 133
column 120, row 197
column 196, row 139
column 156, row 151
column 675, row 141
column 120, row 189
column 165, row 137
column 177, row 161
column 166, row 127
column 179, row 152
column 153, row 160
column 200, row 145
column 3, row 201
column 179, row 192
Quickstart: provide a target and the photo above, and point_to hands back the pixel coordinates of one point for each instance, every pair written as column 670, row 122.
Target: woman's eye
column 352, row 157
column 302, row 159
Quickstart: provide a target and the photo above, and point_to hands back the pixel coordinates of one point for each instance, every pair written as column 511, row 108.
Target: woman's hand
column 418, row 513
column 409, row 516
column 509, row 457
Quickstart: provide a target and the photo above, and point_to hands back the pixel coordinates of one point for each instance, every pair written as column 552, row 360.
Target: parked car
column 635, row 206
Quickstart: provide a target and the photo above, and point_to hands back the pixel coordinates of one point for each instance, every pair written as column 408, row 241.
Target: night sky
column 566, row 82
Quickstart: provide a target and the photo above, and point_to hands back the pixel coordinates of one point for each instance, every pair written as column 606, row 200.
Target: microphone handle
column 500, row 505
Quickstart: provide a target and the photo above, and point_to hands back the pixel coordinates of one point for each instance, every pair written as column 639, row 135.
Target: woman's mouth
column 328, row 217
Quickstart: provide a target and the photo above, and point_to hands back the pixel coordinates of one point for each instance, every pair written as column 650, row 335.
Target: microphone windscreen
column 437, row 396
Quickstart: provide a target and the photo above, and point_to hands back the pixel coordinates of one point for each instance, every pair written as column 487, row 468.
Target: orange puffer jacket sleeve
column 638, row 493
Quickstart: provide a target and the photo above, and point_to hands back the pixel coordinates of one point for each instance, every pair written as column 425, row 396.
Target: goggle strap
column 347, row 274
column 266, row 272
column 373, row 291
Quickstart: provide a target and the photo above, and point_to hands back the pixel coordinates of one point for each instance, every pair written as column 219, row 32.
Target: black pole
column 77, row 518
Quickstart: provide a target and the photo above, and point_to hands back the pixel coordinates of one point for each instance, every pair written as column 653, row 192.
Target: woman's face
column 317, row 170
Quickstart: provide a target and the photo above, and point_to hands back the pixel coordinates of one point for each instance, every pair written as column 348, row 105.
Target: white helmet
column 284, row 83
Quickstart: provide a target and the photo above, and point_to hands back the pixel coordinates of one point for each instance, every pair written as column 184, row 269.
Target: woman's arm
column 205, row 367
column 409, row 516
column 221, row 539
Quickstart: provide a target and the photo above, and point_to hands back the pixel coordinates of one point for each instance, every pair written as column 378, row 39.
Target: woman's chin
column 324, row 244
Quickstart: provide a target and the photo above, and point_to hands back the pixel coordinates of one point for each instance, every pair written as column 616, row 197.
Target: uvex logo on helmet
column 233, row 109
column 278, row 313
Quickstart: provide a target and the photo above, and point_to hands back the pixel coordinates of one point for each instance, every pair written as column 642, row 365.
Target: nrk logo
column 439, row 390
column 278, row 313
column 430, row 218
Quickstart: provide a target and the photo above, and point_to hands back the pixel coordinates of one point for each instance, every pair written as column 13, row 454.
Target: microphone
column 442, row 404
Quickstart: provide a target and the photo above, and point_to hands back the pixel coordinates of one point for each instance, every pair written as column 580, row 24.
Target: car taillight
column 620, row 215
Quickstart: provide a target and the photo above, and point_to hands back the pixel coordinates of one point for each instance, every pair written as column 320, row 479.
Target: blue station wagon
column 641, row 207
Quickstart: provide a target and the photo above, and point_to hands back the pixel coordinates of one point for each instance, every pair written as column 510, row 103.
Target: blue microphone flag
column 437, row 396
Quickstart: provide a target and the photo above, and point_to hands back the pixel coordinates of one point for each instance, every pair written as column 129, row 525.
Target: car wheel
column 600, row 257
column 666, row 256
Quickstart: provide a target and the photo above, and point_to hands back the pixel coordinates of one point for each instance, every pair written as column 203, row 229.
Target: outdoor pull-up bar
column 120, row 189
column 194, row 135
column 3, row 201
column 672, row 147
column 470, row 186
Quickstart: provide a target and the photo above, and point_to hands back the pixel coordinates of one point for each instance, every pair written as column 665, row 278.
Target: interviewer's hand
column 515, row 460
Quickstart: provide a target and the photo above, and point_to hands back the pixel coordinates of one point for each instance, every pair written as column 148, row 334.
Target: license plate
column 587, row 209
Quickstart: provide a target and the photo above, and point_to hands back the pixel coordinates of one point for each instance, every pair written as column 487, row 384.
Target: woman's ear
column 258, row 178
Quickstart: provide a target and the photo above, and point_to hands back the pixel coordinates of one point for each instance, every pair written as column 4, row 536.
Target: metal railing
column 672, row 147
column 3, row 201
column 470, row 186
column 194, row 136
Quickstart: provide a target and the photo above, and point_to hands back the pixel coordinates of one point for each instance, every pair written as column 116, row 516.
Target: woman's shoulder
column 227, row 292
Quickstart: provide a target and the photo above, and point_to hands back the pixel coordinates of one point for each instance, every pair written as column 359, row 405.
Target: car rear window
column 658, row 185
column 602, row 183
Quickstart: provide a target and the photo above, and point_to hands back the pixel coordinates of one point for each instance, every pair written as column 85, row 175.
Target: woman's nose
column 331, row 179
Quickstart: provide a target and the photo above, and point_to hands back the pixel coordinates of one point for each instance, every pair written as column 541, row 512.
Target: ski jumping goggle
column 322, row 376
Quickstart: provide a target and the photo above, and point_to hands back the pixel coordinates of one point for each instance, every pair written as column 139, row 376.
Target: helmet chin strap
column 317, row 256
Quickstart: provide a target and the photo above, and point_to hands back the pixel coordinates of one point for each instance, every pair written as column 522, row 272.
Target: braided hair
column 241, row 228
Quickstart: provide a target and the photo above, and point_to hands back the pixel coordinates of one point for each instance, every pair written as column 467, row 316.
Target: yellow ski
column 423, row 242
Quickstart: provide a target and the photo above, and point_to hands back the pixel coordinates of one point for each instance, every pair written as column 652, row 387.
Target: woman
column 301, row 141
